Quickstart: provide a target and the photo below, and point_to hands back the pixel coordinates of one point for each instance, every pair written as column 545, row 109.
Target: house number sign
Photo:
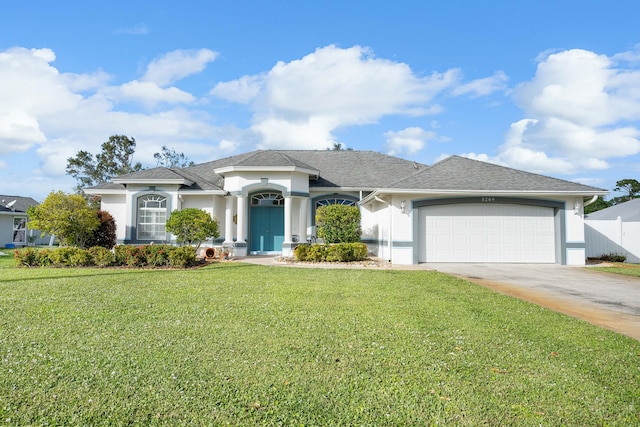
column 488, row 199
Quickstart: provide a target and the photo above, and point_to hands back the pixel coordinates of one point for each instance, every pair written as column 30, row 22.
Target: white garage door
column 487, row 233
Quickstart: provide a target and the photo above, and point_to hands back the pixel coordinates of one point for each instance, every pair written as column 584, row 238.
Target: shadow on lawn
column 116, row 271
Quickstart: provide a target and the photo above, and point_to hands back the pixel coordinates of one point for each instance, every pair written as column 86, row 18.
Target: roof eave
column 513, row 193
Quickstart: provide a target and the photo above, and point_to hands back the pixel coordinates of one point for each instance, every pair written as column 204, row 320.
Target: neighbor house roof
column 16, row 203
column 628, row 211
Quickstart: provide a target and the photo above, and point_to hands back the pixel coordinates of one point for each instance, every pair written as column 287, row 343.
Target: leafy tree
column 339, row 223
column 192, row 226
column 67, row 216
column 598, row 205
column 339, row 146
column 105, row 235
column 169, row 158
column 630, row 189
column 116, row 158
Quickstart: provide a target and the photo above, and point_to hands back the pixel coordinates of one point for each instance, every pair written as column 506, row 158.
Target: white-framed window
column 19, row 230
column 152, row 217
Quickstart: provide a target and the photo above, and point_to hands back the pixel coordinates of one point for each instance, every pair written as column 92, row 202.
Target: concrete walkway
column 608, row 300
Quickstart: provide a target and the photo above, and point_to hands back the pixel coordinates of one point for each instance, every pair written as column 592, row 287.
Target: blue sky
column 551, row 87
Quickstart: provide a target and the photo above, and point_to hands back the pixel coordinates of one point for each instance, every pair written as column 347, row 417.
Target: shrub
column 105, row 234
column 347, row 252
column 157, row 255
column 613, row 257
column 70, row 257
column 101, row 256
column 135, row 256
column 184, row 256
column 192, row 226
column 26, row 257
column 339, row 223
column 339, row 252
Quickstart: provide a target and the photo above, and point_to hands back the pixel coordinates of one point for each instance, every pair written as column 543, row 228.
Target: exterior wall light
column 403, row 206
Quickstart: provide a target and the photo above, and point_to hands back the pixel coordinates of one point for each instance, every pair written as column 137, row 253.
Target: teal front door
column 267, row 228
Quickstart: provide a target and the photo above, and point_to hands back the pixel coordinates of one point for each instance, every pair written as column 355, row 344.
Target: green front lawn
column 621, row 268
column 239, row 344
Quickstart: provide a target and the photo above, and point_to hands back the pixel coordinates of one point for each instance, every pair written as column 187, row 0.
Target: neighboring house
column 13, row 222
column 458, row 210
column 615, row 229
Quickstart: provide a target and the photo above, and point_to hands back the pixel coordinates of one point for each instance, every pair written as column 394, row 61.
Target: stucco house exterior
column 457, row 210
column 13, row 222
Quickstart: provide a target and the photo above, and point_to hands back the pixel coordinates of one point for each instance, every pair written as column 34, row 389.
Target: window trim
column 164, row 199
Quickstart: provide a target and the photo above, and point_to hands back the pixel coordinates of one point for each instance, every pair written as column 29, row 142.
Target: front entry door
column 267, row 228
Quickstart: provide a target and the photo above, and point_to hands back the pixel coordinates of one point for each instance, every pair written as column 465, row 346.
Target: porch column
column 304, row 203
column 228, row 221
column 242, row 219
column 287, row 219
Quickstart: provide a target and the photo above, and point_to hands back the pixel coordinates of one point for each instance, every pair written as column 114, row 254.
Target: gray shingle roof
column 460, row 173
column 628, row 211
column 368, row 170
column 21, row 204
column 151, row 174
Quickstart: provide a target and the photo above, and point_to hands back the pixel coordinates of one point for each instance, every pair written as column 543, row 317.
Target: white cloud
column 150, row 94
column 483, row 87
column 54, row 115
column 139, row 29
column 177, row 65
column 301, row 103
column 242, row 91
column 582, row 109
column 409, row 140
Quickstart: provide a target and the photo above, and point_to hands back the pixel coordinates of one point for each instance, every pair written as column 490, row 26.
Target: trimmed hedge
column 97, row 256
column 339, row 252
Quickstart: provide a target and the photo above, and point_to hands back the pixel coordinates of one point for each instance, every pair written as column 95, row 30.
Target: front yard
column 239, row 344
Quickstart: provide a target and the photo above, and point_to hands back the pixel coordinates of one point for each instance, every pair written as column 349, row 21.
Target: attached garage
column 487, row 232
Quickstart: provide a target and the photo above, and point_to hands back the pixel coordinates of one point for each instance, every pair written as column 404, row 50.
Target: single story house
column 614, row 230
column 13, row 222
column 457, row 210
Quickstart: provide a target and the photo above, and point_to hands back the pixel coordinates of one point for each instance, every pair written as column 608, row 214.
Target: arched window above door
column 267, row 199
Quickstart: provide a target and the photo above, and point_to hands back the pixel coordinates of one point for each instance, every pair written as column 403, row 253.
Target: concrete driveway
column 608, row 300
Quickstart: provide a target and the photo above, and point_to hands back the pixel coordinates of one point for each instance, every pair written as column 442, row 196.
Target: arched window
column 335, row 199
column 267, row 199
column 152, row 216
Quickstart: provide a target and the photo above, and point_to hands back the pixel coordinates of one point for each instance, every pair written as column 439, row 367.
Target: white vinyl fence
column 612, row 236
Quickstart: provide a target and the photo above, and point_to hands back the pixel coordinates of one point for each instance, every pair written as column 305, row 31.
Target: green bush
column 182, row 257
column 132, row 256
column 26, row 257
column 157, row 255
column 613, row 257
column 101, row 256
column 123, row 255
column 339, row 223
column 339, row 252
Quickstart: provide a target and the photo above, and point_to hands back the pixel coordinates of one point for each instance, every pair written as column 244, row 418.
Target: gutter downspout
column 593, row 199
column 390, row 222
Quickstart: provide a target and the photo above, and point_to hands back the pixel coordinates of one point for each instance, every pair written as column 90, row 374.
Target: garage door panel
column 487, row 233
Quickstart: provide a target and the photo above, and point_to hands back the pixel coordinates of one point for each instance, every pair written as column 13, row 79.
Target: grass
column 238, row 344
column 621, row 268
